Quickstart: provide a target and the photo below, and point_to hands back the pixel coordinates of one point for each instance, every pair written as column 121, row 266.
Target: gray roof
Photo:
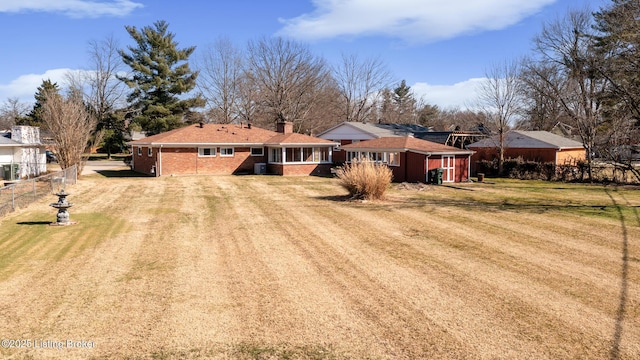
column 530, row 140
column 8, row 142
column 379, row 130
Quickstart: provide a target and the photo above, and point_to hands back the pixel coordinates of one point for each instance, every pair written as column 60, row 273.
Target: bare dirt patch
column 271, row 267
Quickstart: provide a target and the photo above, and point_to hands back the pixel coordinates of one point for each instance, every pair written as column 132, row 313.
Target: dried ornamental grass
column 365, row 179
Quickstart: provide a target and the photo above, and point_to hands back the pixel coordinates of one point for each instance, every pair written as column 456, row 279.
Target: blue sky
column 441, row 48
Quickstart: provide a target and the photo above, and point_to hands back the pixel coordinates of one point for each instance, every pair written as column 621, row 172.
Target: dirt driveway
column 272, row 267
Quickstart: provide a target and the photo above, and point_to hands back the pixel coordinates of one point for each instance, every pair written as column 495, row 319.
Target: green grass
column 34, row 234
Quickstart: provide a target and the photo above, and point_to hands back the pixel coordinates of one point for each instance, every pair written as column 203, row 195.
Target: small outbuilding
column 538, row 146
column 413, row 160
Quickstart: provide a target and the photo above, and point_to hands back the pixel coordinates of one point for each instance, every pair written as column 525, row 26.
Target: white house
column 22, row 154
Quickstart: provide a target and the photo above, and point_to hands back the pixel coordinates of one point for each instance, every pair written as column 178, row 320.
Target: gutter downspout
column 159, row 169
column 426, row 168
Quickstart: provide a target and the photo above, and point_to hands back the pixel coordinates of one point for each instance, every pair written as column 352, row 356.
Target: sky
column 442, row 49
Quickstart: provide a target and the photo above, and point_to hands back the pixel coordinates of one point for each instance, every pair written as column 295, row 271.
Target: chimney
column 285, row 127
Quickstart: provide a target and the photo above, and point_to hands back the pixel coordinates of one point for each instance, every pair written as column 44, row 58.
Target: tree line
column 581, row 76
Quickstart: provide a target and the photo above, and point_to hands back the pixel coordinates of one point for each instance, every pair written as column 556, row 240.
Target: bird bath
column 62, row 205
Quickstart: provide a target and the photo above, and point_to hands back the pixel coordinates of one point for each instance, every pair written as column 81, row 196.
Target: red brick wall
column 184, row 161
column 143, row 163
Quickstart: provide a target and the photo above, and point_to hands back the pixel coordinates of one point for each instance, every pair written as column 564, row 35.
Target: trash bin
column 480, row 177
column 438, row 178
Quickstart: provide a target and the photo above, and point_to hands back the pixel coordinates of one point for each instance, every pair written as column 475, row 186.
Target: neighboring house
column 218, row 149
column 539, row 146
column 350, row 132
column 412, row 159
column 21, row 153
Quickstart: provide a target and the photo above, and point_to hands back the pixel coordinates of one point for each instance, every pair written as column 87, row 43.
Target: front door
column 449, row 168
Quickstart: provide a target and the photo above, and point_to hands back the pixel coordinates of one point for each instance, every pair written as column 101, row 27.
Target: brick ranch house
column 411, row 159
column 538, row 146
column 223, row 149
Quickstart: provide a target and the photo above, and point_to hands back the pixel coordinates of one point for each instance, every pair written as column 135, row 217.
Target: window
column 388, row 158
column 307, row 155
column 293, row 155
column 393, row 159
column 321, row 154
column 226, row 151
column 149, row 151
column 139, row 151
column 257, row 151
column 206, row 151
column 275, row 155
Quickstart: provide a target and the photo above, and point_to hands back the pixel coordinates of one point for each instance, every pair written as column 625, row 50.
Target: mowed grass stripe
column 414, row 333
column 457, row 261
column 265, row 314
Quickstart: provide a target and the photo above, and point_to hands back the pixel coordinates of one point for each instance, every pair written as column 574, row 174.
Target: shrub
column 365, row 179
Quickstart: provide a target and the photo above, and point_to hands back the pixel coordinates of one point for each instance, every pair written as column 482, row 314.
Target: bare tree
column 11, row 111
column 106, row 92
column 71, row 126
column 566, row 69
column 543, row 112
column 221, row 69
column 288, row 78
column 102, row 91
column 500, row 100
column 360, row 84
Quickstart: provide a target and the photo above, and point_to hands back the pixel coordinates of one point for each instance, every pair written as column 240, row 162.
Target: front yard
column 277, row 267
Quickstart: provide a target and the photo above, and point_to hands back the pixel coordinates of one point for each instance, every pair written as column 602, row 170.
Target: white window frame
column 224, row 152
column 149, row 151
column 257, row 148
column 212, row 152
column 139, row 150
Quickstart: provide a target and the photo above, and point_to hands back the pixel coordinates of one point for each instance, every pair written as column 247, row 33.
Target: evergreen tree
column 34, row 118
column 160, row 75
column 619, row 42
column 405, row 104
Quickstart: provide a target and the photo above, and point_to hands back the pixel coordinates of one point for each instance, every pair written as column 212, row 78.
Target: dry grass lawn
column 259, row 267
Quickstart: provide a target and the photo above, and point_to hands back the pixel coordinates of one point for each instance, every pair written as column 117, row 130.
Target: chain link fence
column 22, row 193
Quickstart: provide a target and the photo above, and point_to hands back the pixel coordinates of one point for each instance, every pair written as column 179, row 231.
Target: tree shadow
column 624, row 283
column 121, row 174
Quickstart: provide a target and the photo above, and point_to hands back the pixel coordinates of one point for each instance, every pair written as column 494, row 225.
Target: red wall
column 184, row 161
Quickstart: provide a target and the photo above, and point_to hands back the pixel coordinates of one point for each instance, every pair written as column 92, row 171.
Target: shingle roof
column 231, row 134
column 518, row 139
column 380, row 130
column 295, row 138
column 405, row 143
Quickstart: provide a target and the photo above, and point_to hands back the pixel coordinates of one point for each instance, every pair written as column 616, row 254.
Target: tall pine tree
column 619, row 42
column 160, row 74
column 34, row 118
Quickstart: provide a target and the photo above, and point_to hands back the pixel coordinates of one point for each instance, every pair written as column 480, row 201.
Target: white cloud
column 71, row 8
column 25, row 86
column 461, row 95
column 410, row 20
